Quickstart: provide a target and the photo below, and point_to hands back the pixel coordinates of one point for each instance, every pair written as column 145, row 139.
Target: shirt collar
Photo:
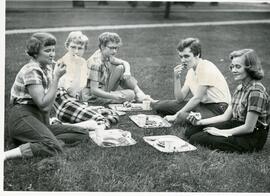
column 45, row 68
column 246, row 85
column 104, row 60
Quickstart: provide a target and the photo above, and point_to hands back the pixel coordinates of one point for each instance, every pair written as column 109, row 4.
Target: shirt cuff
column 26, row 150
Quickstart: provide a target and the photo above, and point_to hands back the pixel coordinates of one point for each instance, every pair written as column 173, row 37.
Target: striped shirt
column 31, row 73
column 99, row 70
column 251, row 98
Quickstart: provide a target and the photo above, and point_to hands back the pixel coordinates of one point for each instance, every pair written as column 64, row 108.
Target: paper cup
column 146, row 105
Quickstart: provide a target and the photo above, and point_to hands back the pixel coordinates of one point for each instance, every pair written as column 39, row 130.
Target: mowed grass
column 152, row 55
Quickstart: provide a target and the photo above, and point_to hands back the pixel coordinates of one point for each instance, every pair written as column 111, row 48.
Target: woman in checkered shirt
column 245, row 124
column 70, row 103
column 32, row 97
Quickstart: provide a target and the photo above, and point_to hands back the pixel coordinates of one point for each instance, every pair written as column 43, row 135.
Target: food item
column 197, row 115
column 161, row 143
column 150, row 122
column 127, row 104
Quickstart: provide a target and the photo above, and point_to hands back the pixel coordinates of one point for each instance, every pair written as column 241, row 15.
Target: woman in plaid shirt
column 245, row 124
column 69, row 102
column 32, row 97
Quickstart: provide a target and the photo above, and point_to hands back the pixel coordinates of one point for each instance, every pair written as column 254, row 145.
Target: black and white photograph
column 135, row 97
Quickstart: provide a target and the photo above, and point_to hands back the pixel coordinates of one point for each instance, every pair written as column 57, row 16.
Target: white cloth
column 207, row 74
column 76, row 73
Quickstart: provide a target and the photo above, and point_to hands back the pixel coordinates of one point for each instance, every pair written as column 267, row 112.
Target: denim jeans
column 170, row 107
column 29, row 127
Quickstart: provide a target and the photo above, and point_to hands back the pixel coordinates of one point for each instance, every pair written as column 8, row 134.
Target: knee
column 191, row 130
column 182, row 118
column 156, row 106
column 120, row 68
column 53, row 147
column 197, row 138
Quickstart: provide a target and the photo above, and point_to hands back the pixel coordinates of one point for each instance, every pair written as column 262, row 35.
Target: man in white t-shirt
column 208, row 86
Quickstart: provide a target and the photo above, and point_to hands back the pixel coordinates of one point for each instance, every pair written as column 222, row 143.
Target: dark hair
column 106, row 37
column 192, row 43
column 37, row 40
column 252, row 62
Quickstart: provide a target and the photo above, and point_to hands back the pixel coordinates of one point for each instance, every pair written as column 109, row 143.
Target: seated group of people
column 75, row 88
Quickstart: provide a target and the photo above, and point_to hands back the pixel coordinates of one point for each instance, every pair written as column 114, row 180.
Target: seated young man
column 208, row 86
column 107, row 73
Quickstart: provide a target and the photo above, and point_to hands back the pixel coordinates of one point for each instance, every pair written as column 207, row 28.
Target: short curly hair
column 192, row 43
column 77, row 37
column 38, row 40
column 106, row 37
column 252, row 62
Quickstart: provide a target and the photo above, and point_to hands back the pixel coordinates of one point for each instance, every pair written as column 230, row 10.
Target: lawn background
column 152, row 55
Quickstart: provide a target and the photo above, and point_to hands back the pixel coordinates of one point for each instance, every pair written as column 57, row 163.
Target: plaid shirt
column 69, row 109
column 31, row 73
column 251, row 98
column 99, row 70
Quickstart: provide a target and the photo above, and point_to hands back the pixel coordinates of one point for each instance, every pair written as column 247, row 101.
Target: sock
column 16, row 152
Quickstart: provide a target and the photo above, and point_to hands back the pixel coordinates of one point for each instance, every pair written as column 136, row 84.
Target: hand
column 194, row 118
column 178, row 70
column 118, row 97
column 170, row 118
column 216, row 132
column 71, row 92
column 59, row 70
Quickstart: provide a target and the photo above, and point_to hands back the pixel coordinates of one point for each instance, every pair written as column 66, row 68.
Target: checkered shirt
column 31, row 73
column 252, row 97
column 99, row 70
column 69, row 109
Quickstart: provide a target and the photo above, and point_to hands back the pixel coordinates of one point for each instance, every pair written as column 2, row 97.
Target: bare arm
column 45, row 100
column 246, row 128
column 227, row 115
column 195, row 100
column 179, row 93
column 118, row 61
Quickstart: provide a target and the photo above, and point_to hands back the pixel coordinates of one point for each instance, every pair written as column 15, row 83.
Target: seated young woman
column 32, row 96
column 245, row 124
column 68, row 105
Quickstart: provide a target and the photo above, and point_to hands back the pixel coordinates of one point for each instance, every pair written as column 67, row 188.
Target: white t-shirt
column 207, row 74
column 76, row 73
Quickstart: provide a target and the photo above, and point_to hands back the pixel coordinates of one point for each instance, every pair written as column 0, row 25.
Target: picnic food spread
column 118, row 137
column 149, row 121
column 168, row 143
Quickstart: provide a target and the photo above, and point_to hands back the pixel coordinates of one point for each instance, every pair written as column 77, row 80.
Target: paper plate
column 113, row 138
column 149, row 121
column 132, row 107
column 169, row 143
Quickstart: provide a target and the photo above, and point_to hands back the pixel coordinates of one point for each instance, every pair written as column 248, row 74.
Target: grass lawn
column 152, row 55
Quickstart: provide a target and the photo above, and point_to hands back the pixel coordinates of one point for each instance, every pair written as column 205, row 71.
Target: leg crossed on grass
column 239, row 143
column 28, row 128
